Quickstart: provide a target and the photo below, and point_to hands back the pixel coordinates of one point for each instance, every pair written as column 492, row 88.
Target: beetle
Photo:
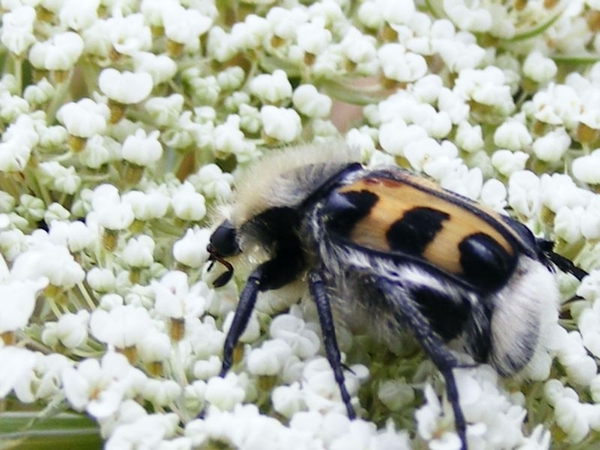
column 394, row 249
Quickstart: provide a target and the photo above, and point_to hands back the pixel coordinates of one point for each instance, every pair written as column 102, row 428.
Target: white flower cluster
column 121, row 124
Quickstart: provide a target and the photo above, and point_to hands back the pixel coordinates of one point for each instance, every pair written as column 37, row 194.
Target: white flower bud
column 539, row 68
column 310, row 102
column 60, row 52
column 188, row 204
column 271, row 88
column 101, row 280
column 125, row 87
column 142, row 149
column 84, row 118
column 224, row 393
column 281, row 123
column 507, row 162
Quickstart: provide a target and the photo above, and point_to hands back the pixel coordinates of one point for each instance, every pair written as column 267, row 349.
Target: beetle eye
column 224, row 241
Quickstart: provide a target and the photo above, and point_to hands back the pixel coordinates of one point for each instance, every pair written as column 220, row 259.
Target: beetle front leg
column 241, row 317
column 317, row 289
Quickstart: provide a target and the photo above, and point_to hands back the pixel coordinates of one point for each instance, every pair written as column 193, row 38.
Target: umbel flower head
column 122, row 124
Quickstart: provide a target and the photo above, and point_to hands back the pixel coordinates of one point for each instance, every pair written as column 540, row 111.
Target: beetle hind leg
column 433, row 346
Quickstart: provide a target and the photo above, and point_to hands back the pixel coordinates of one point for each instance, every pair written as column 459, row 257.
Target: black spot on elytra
column 415, row 230
column 485, row 263
column 344, row 210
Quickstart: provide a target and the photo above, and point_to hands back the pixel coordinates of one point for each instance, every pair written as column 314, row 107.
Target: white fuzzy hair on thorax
column 287, row 177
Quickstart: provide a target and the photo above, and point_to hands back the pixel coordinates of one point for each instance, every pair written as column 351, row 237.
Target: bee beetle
column 391, row 248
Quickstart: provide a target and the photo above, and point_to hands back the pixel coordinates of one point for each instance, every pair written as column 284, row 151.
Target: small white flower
column 303, row 341
column 15, row 364
column 98, row 151
column 493, row 194
column 284, row 22
column 160, row 67
column 74, row 235
column 288, row 400
column 587, row 168
column 71, row 330
column 78, row 15
column 559, row 190
column 122, row 326
column 125, row 87
column 14, row 155
column 469, row 18
column 147, row 431
column 224, row 393
column 40, row 93
column 487, row 87
column 61, row 52
column 250, row 33
column 559, row 104
column 571, row 418
column 539, row 68
column 191, row 249
column 282, row 124
column 188, row 204
column 147, row 206
column 165, row 110
column 420, row 153
column 101, row 280
column 507, row 162
column 400, row 65
column 228, row 138
column 310, row 102
column 469, row 137
column 161, row 392
column 552, row 146
column 271, row 88
column 212, row 181
column 360, row 49
column 269, row 359
column 59, row 178
column 231, row 79
column 111, row 211
column 84, row 118
column 155, row 347
column 396, row 136
column 17, row 301
column 453, row 103
column 321, row 392
column 185, row 26
column 142, row 149
column 512, row 135
column 205, row 369
column 138, row 252
column 53, row 262
column 590, row 221
column 99, row 387
column 175, row 299
column 17, row 29
column 127, row 35
column 313, row 37
column 566, row 223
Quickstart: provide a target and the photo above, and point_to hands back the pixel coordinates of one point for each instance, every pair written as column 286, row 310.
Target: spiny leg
column 443, row 359
column 317, row 289
column 241, row 317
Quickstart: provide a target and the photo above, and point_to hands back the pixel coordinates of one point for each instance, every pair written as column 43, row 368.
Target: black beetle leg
column 316, row 286
column 443, row 359
column 241, row 317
